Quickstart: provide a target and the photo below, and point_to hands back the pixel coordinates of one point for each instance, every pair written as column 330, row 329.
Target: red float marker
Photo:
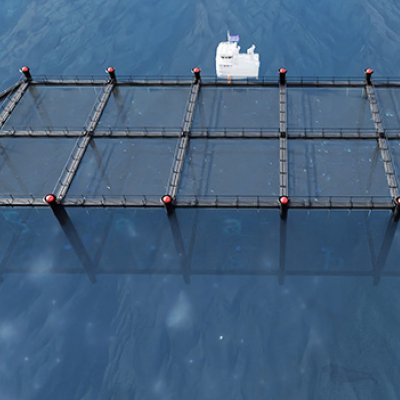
column 368, row 75
column 196, row 71
column 167, row 199
column 284, row 200
column 283, row 206
column 111, row 72
column 50, row 199
column 168, row 202
column 26, row 71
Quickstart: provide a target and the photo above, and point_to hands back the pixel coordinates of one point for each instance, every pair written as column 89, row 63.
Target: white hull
column 231, row 64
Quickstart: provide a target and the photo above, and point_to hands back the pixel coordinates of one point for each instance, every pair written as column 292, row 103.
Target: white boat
column 231, row 64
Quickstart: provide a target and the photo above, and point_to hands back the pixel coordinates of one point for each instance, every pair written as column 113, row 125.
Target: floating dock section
column 92, row 167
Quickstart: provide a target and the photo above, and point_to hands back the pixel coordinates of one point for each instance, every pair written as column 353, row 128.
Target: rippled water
column 233, row 326
column 308, row 37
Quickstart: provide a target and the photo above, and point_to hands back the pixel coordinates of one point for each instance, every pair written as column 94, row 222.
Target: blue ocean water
column 229, row 327
column 170, row 37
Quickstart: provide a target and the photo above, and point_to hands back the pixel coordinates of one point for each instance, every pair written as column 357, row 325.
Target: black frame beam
column 283, row 144
column 329, row 203
column 185, row 133
column 321, row 82
column 184, row 141
column 15, row 98
column 10, row 90
column 382, row 141
column 81, row 146
column 204, row 134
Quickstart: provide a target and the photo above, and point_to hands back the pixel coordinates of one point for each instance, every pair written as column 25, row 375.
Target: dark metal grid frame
column 382, row 142
column 183, row 144
column 81, row 145
column 312, row 81
column 332, row 202
column 16, row 92
column 283, row 145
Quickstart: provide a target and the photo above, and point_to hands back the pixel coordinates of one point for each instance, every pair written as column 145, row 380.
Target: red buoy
column 26, row 71
column 50, row 199
column 196, row 71
column 283, row 206
column 167, row 199
column 168, row 202
column 111, row 72
column 284, row 200
column 282, row 75
column 368, row 75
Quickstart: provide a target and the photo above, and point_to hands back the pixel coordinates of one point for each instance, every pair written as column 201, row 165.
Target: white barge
column 231, row 64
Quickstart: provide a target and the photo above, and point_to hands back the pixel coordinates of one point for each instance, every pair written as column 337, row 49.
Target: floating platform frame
column 12, row 97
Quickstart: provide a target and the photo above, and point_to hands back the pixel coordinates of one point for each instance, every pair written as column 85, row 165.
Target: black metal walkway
column 309, row 130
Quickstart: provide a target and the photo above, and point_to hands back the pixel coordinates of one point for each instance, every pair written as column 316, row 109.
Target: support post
column 282, row 251
column 282, row 76
column 380, row 262
column 168, row 202
column 180, row 247
column 16, row 97
column 396, row 209
column 196, row 72
column 27, row 73
column 283, row 206
column 368, row 75
column 283, row 145
column 111, row 73
column 72, row 235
